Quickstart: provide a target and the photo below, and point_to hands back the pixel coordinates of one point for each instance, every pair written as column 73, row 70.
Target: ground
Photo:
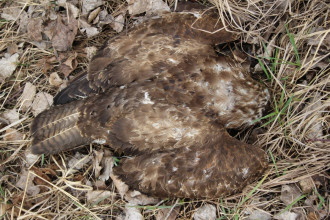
column 40, row 51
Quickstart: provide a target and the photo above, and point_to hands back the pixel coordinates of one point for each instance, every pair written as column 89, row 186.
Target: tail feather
column 55, row 130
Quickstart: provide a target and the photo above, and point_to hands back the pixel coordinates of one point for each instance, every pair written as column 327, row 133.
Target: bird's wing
column 148, row 50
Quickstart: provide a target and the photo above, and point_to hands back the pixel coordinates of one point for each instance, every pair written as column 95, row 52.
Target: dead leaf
column 12, row 48
column 96, row 196
column 13, row 135
column 118, row 24
column 168, row 213
column 88, row 5
column 54, row 79
column 120, row 185
column 259, row 215
column 316, row 107
column 286, row 216
column 37, row 180
column 93, row 15
column 78, row 161
column 138, row 198
column 206, row 212
column 96, row 162
column 307, row 185
column 313, row 216
column 69, row 64
column 90, row 51
column 41, row 102
column 11, row 115
column 34, row 29
column 27, row 97
column 23, row 22
column 100, row 185
column 73, row 10
column 131, row 213
column 107, row 163
column 62, row 33
column 85, row 27
column 289, row 193
column 11, row 12
column 105, row 18
column 26, row 182
column 151, row 7
column 315, row 40
column 8, row 65
column 30, row 158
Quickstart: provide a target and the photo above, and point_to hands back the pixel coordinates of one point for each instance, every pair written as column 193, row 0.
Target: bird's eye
column 108, row 107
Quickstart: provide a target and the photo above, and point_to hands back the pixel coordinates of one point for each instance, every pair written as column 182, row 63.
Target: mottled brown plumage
column 161, row 94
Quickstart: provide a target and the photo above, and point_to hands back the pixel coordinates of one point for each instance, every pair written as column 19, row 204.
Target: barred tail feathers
column 55, row 130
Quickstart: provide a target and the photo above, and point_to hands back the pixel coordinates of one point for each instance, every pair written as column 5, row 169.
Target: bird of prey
column 162, row 95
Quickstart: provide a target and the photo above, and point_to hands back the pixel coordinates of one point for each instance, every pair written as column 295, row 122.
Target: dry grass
column 290, row 41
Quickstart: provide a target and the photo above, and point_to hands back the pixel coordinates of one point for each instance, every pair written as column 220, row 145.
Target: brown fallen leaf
column 8, row 65
column 87, row 28
column 151, row 7
column 100, row 185
column 307, row 185
column 260, row 215
column 69, row 64
column 12, row 48
column 11, row 11
column 11, row 115
column 96, row 162
column 78, row 161
column 54, row 79
column 206, row 212
column 88, row 5
column 289, row 193
column 118, row 24
column 168, row 213
column 44, row 178
column 13, row 135
column 27, row 96
column 130, row 213
column 105, row 18
column 26, row 182
column 34, row 29
column 107, row 163
column 286, row 216
column 41, row 102
column 93, row 15
column 97, row 196
column 30, row 158
column 62, row 32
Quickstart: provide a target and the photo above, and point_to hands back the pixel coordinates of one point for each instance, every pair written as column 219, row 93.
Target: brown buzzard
column 161, row 94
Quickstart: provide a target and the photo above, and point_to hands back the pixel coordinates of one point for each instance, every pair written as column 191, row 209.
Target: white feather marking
column 171, row 60
column 245, row 171
column 99, row 141
column 219, row 68
column 147, row 99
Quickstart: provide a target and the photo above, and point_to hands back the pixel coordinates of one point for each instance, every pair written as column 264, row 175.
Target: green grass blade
column 252, row 191
column 292, row 41
column 292, row 203
column 264, row 68
column 274, row 162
